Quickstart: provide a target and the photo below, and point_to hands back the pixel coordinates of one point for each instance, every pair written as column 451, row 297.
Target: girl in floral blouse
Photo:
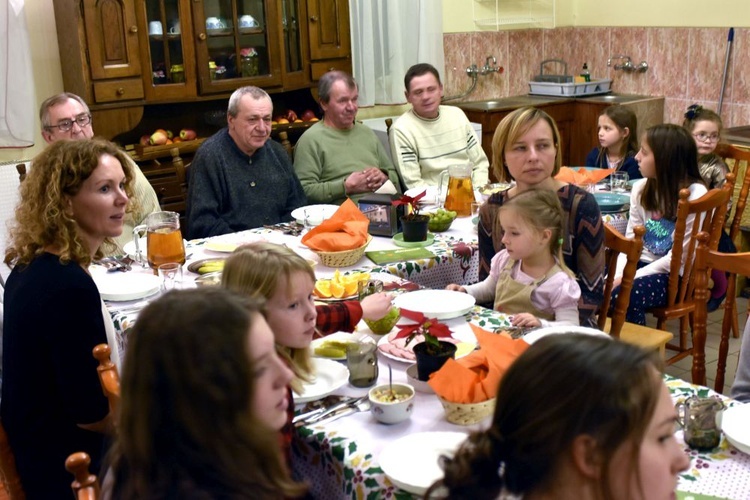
column 668, row 160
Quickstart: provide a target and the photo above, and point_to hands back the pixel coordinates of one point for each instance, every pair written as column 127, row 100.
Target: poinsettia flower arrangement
column 430, row 328
column 412, row 202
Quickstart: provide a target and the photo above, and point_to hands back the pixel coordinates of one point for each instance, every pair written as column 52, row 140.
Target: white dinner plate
column 537, row 334
column 119, row 287
column 439, row 304
column 341, row 337
column 398, row 459
column 734, row 425
column 322, row 212
column 329, row 376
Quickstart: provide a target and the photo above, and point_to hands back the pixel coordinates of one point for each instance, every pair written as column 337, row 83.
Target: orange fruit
column 351, row 288
column 337, row 290
column 323, row 288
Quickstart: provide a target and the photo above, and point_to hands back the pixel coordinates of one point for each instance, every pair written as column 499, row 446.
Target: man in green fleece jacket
column 338, row 158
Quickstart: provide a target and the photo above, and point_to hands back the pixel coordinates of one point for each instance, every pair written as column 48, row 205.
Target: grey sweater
column 230, row 191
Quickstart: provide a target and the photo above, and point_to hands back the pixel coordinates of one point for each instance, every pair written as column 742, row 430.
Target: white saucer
column 120, row 287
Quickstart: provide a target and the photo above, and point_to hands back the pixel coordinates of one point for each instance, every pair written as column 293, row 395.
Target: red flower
column 412, row 202
column 431, row 328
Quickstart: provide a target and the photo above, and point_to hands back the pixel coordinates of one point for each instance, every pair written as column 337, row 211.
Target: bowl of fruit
column 440, row 220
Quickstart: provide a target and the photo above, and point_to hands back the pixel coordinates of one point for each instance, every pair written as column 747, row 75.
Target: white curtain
column 17, row 106
column 388, row 36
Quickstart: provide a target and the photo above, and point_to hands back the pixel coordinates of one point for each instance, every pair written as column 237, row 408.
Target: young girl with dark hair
column 668, row 161
column 618, row 142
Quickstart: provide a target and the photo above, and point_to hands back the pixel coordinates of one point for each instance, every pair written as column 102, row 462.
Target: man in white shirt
column 429, row 137
column 67, row 117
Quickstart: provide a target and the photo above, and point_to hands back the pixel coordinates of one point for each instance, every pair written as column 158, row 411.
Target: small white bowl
column 392, row 412
column 419, row 385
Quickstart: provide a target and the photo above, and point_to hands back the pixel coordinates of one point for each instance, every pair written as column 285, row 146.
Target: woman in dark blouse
column 526, row 149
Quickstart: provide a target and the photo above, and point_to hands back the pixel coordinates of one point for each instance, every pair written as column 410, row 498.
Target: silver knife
column 314, row 415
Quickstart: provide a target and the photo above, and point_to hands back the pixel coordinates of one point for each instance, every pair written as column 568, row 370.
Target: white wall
column 458, row 14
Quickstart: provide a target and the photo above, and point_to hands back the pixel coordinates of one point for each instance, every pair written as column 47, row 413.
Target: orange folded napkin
column 476, row 377
column 582, row 175
column 345, row 230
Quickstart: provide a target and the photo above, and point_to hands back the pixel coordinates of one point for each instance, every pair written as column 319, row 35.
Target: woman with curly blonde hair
column 73, row 201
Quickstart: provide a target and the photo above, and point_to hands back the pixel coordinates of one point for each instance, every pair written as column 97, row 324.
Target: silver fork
column 362, row 404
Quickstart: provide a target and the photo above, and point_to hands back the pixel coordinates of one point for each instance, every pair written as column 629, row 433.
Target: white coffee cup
column 155, row 28
column 175, row 29
column 248, row 21
column 214, row 23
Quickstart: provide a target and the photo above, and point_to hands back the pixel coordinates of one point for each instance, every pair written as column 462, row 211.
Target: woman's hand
column 376, row 306
column 456, row 288
column 525, row 320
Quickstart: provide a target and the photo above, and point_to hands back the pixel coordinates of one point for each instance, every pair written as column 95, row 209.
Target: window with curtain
column 388, row 36
column 17, row 106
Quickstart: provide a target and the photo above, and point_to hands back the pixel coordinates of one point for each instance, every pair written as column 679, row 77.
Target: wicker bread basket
column 469, row 413
column 344, row 258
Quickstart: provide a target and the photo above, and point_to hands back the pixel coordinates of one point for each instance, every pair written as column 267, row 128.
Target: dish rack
column 563, row 85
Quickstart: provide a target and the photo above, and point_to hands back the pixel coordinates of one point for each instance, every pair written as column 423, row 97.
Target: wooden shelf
column 145, row 153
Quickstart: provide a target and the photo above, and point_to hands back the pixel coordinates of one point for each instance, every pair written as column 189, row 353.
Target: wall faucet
column 473, row 72
column 490, row 66
column 628, row 65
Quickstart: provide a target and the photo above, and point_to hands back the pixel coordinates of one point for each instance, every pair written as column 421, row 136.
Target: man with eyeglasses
column 67, row 117
column 239, row 179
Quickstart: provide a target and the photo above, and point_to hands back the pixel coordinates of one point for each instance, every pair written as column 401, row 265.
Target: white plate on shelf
column 734, row 425
column 424, row 448
column 330, row 375
column 439, row 304
column 539, row 333
column 119, row 287
column 340, row 337
column 322, row 212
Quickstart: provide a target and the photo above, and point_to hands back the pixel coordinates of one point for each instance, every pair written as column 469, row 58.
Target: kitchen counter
column 576, row 117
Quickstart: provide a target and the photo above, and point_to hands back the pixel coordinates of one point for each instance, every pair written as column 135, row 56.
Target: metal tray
column 594, row 87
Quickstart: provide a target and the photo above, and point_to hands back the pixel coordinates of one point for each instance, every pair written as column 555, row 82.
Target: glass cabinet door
column 294, row 30
column 170, row 49
column 237, row 40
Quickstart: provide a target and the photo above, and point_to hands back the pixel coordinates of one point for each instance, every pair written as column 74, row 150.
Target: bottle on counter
column 585, row 72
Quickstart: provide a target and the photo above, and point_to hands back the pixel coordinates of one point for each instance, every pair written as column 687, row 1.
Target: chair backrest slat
column 738, row 157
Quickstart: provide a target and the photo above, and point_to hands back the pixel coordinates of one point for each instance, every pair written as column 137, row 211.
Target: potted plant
column 432, row 353
column 413, row 224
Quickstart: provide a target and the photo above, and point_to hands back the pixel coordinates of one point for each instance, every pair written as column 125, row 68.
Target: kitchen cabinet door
column 167, row 50
column 328, row 22
column 112, row 34
column 237, row 44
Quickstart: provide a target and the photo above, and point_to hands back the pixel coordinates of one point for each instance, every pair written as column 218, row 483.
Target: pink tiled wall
column 685, row 64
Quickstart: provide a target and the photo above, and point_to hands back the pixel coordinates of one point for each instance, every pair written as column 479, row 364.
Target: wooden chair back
column 739, row 161
column 705, row 260
column 85, row 485
column 284, row 139
column 108, row 377
column 709, row 212
column 21, row 169
column 616, row 244
column 10, row 478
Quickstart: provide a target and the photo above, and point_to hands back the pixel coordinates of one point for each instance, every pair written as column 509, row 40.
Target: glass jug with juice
column 163, row 239
column 460, row 191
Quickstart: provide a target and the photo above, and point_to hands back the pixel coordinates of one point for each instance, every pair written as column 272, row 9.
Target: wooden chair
column 705, row 260
column 284, row 139
column 712, row 208
column 616, row 244
column 108, row 377
column 85, row 485
column 11, row 480
column 21, row 169
column 734, row 157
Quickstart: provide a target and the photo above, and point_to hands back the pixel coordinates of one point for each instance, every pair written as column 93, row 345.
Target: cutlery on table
column 319, row 413
column 363, row 404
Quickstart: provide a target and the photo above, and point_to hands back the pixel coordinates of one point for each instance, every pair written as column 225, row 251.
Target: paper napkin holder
column 383, row 214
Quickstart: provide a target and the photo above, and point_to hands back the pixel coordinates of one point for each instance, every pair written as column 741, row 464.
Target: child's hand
column 376, row 306
column 525, row 320
column 456, row 288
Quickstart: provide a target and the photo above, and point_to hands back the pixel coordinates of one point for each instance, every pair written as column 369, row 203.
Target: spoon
column 391, row 395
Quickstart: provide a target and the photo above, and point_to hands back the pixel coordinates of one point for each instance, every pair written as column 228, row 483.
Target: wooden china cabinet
column 141, row 63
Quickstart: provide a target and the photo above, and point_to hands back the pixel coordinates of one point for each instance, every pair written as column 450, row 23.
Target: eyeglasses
column 704, row 137
column 67, row 124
